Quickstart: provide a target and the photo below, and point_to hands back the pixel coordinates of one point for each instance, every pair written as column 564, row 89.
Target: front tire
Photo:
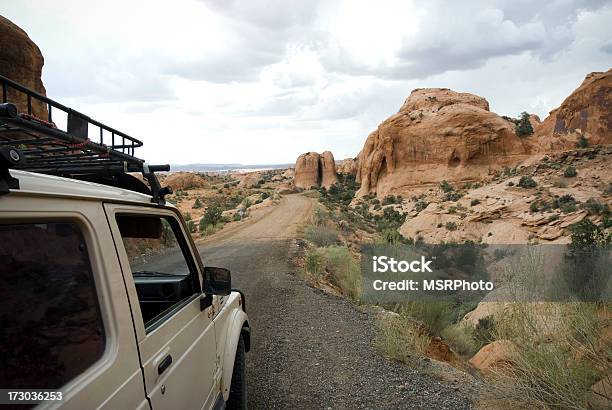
column 238, row 390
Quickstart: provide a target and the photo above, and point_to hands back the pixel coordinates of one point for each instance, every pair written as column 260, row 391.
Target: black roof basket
column 31, row 143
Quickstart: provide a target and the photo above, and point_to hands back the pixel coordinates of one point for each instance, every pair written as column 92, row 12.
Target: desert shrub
column 484, row 331
column 586, row 233
column 434, row 316
column 390, row 219
column 451, row 226
column 197, row 204
column 556, row 373
column 265, row 195
column 258, row 201
column 392, row 236
column 246, row 203
column 187, row 216
column 460, row 338
column 237, row 216
column 510, row 183
column 321, row 235
column 314, row 262
column 344, row 269
column 594, row 207
column 191, row 226
column 420, row 205
column 389, row 200
column 570, row 172
column 399, row 338
column 583, row 142
column 527, row 182
column 566, row 203
column 445, row 186
column 226, row 185
column 474, row 202
column 534, row 207
column 212, row 216
column 607, row 191
column 523, row 128
column 452, row 196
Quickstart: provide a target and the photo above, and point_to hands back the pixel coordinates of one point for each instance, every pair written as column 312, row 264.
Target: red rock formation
column 315, row 170
column 21, row 61
column 347, row 166
column 435, row 135
column 587, row 111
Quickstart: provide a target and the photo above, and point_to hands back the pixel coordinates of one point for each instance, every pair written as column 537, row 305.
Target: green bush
column 570, row 172
column 191, row 226
column 237, row 216
column 314, row 263
column 523, row 128
column 533, row 207
column 446, row 187
column 527, row 182
column 594, row 207
column 420, row 205
column 460, row 338
column 321, row 235
column 344, row 268
column 197, row 204
column 451, row 226
column 187, row 216
column 212, row 216
column 583, row 142
column 399, row 338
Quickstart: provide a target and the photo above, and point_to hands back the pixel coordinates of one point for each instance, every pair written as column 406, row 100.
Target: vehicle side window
column 163, row 270
column 51, row 329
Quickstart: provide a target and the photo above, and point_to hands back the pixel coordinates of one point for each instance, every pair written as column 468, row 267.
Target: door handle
column 164, row 364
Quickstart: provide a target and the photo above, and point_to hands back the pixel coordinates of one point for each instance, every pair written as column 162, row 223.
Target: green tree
column 212, row 216
column 523, row 128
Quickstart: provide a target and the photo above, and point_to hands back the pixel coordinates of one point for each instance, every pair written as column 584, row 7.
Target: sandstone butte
column 22, row 62
column 439, row 134
column 315, row 170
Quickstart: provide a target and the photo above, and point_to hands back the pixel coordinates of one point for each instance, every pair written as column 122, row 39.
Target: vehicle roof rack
column 35, row 144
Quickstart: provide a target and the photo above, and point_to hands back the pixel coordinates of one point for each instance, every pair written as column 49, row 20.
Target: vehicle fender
column 237, row 323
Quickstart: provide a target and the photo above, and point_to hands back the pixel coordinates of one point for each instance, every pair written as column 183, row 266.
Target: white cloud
column 264, row 80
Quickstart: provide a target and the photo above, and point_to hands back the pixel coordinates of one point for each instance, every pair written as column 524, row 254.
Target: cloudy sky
column 262, row 81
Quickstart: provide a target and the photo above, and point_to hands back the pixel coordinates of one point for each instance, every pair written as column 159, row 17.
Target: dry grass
column 400, row 338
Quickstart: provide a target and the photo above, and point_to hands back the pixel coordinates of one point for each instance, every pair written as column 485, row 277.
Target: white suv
column 104, row 300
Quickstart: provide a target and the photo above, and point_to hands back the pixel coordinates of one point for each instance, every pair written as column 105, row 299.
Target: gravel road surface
column 310, row 349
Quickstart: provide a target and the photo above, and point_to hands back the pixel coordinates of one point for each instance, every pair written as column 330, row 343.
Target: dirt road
column 310, row 349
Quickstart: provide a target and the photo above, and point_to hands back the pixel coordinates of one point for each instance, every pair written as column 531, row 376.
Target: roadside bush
column 527, row 182
column 460, row 338
column 399, row 338
column 236, row 216
column 187, row 216
column 191, row 226
column 344, row 268
column 207, row 230
column 197, row 204
column 321, row 235
column 570, row 172
column 212, row 216
column 265, row 195
column 434, row 316
column 314, row 262
column 558, row 372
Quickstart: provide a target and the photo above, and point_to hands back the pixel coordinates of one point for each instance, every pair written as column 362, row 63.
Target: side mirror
column 217, row 281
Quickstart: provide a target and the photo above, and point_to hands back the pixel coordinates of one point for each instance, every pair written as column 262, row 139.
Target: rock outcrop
column 180, row 181
column 347, row 166
column 313, row 170
column 586, row 112
column 437, row 134
column 22, row 62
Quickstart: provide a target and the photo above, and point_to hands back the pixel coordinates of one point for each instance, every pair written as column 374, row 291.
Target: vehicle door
column 175, row 334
